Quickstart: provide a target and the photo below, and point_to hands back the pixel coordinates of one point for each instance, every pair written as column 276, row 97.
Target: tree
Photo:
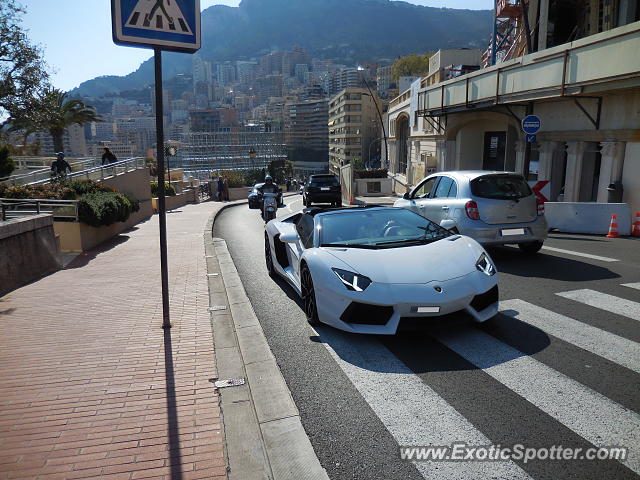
column 22, row 70
column 410, row 66
column 6, row 164
column 56, row 113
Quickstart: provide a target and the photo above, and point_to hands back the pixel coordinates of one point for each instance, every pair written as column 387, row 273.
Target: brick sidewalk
column 85, row 388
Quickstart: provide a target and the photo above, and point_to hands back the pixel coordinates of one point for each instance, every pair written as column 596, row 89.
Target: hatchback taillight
column 472, row 210
column 540, row 205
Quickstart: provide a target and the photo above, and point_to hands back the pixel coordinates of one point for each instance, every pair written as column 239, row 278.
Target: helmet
column 60, row 155
column 268, row 179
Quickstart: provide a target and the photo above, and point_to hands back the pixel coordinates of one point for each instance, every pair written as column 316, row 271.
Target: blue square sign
column 164, row 24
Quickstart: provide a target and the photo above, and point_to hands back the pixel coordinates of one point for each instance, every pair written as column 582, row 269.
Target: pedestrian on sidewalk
column 220, row 189
column 225, row 190
column 108, row 156
column 60, row 166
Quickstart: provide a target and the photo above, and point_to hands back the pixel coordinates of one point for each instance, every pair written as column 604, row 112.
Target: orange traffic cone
column 635, row 232
column 613, row 228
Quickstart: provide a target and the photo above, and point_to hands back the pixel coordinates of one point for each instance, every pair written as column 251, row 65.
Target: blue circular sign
column 531, row 124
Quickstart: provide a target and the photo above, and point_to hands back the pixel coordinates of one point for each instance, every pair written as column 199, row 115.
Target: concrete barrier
column 29, row 251
column 587, row 217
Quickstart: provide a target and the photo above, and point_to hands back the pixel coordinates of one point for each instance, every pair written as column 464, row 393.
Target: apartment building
column 353, row 127
column 306, row 130
column 579, row 76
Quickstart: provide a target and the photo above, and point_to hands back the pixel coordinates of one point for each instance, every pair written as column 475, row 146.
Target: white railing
column 24, row 207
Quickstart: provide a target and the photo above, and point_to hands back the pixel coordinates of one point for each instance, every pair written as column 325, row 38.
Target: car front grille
column 366, row 314
column 486, row 299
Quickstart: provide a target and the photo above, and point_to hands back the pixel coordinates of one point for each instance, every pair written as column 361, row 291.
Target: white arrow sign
column 159, row 16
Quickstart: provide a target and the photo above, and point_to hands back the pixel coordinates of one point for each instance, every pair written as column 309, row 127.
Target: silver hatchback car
column 493, row 208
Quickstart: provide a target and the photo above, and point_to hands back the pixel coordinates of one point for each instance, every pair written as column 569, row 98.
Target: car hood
column 443, row 260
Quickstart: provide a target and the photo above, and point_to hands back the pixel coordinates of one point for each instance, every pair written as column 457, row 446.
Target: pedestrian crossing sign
column 164, row 24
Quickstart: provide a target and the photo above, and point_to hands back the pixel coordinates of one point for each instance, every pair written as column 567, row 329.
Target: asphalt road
column 560, row 365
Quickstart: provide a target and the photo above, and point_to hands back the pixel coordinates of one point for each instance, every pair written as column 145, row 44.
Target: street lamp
column 384, row 133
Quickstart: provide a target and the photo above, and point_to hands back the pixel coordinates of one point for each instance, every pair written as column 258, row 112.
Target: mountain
column 346, row 31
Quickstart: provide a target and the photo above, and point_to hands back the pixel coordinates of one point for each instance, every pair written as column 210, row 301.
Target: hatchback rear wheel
column 530, row 247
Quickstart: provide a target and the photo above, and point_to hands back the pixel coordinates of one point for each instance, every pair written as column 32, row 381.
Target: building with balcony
column 353, row 127
column 586, row 93
column 306, row 130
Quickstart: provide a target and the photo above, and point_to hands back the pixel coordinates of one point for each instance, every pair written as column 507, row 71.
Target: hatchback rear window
column 502, row 187
column 325, row 181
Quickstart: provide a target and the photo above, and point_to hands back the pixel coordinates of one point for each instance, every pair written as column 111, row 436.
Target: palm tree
column 57, row 113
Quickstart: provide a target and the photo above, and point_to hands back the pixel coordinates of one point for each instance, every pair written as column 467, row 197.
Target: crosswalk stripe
column 604, row 344
column 589, row 414
column 604, row 301
column 632, row 285
column 411, row 411
column 580, row 254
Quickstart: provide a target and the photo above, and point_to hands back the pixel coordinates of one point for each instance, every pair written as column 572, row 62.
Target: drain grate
column 232, row 382
column 217, row 308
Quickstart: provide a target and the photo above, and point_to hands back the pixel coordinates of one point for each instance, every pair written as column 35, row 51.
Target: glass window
column 378, row 228
column 453, row 191
column 305, row 230
column 425, row 188
column 443, row 187
column 502, row 187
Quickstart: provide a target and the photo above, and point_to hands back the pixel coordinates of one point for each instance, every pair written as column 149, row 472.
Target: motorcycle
column 269, row 206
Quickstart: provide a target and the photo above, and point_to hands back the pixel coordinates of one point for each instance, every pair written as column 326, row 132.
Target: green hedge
column 379, row 173
column 104, row 208
column 169, row 190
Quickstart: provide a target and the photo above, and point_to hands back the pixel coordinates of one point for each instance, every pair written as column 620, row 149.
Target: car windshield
column 501, row 187
column 324, row 182
column 383, row 228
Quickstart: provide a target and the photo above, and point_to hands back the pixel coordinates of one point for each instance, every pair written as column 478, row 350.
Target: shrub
column 82, row 187
column 379, row 173
column 235, row 178
column 135, row 203
column 54, row 191
column 7, row 166
column 103, row 208
column 169, row 190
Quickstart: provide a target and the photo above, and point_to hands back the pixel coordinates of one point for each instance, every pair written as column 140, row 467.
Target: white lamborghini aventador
column 364, row 269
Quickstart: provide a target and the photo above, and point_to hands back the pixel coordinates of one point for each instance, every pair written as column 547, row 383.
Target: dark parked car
column 322, row 189
column 255, row 200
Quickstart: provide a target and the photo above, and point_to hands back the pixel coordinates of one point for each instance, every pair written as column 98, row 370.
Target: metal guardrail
column 23, row 207
column 88, row 169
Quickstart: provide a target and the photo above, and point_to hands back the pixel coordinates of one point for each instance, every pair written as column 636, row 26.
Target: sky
column 75, row 36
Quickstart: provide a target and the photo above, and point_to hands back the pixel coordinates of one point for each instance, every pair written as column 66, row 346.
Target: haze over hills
column 346, row 31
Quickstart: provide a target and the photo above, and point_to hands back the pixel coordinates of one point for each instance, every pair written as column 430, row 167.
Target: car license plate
column 325, row 189
column 512, row 231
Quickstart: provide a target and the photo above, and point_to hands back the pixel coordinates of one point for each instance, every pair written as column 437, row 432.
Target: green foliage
column 22, row 70
column 53, row 191
column 251, row 177
column 280, row 170
column 135, row 203
column 235, row 178
column 169, row 190
column 6, row 164
column 357, row 163
column 82, row 187
column 104, row 208
column 378, row 173
column 410, row 66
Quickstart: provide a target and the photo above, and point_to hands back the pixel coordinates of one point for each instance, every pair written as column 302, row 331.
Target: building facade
column 353, row 127
column 306, row 130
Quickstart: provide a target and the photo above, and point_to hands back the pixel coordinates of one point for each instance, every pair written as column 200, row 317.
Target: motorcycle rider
column 268, row 187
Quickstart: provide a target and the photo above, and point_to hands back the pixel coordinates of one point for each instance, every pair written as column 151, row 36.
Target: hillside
column 345, row 31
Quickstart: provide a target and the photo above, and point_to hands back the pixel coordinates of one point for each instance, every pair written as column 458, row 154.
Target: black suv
column 322, row 189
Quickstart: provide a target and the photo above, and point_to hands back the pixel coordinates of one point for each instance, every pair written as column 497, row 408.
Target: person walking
column 220, row 189
column 225, row 190
column 108, row 157
column 60, row 166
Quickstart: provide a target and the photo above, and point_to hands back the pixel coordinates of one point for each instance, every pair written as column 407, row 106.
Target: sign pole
column 162, row 211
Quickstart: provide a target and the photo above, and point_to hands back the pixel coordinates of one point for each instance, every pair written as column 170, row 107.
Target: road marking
column 603, row 301
column 580, row 254
column 604, row 344
column 632, row 285
column 293, row 203
column 411, row 411
column 589, row 414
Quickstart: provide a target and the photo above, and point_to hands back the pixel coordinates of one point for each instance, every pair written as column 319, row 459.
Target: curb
column 263, row 433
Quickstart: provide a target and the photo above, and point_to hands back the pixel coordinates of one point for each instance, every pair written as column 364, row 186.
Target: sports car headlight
column 353, row 281
column 485, row 266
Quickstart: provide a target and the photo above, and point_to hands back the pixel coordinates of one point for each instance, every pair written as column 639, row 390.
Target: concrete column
column 610, row 167
column 547, row 150
column 519, row 148
column 575, row 157
column 441, row 154
column 450, row 155
column 543, row 26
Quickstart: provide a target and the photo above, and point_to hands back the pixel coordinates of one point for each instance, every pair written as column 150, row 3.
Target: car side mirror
column 289, row 237
column 407, row 196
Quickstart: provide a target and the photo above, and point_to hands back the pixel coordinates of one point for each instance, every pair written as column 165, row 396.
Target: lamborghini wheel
column 268, row 257
column 309, row 297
